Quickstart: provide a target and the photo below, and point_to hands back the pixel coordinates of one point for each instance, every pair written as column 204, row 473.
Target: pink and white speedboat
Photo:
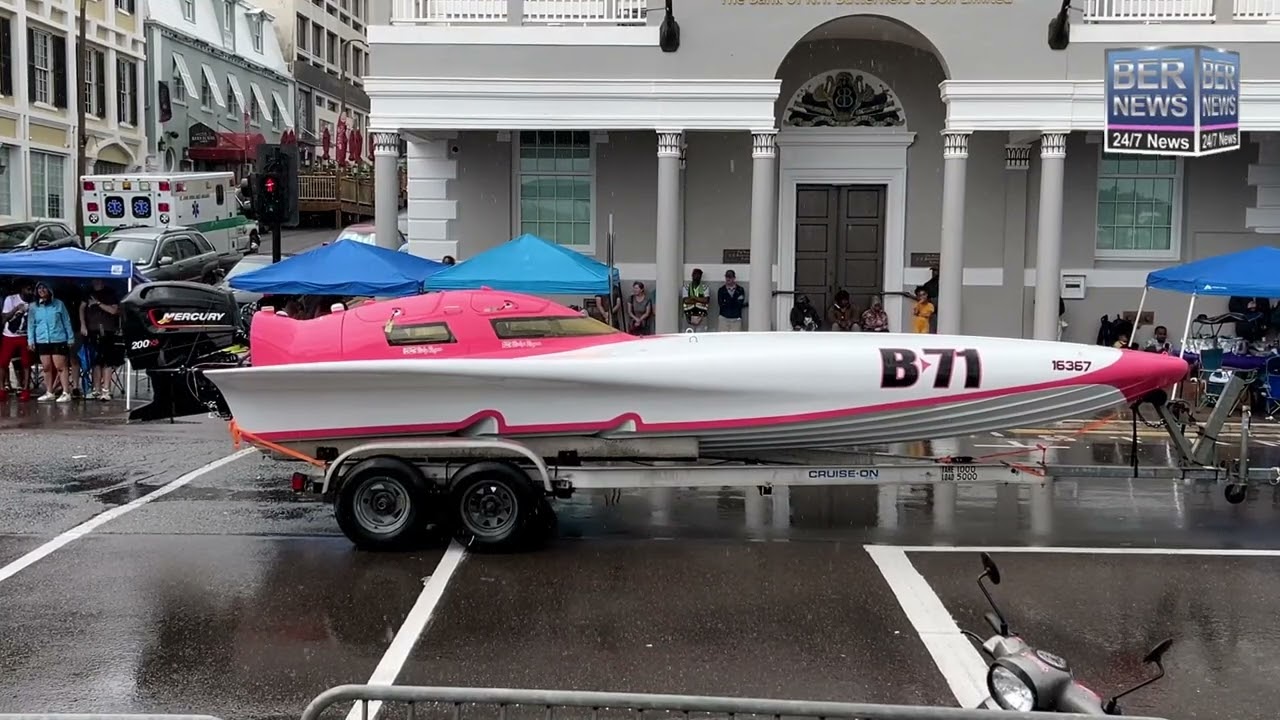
column 489, row 363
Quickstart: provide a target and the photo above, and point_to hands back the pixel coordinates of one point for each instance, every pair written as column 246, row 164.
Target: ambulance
column 201, row 201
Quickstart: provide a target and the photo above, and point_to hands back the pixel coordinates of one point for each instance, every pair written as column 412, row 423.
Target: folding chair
column 1211, row 377
column 1271, row 386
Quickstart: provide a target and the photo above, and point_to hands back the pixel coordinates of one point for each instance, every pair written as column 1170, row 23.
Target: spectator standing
column 100, row 320
column 13, row 338
column 732, row 299
column 49, row 333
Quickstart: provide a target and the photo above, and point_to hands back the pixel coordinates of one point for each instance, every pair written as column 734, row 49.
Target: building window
column 206, row 93
column 42, row 66
column 303, row 32
column 255, row 32
column 1139, row 207
column 126, row 5
column 229, row 16
column 556, row 174
column 95, row 83
column 189, row 10
column 232, row 103
column 6, row 184
column 255, row 112
column 179, row 94
column 47, row 191
column 126, row 92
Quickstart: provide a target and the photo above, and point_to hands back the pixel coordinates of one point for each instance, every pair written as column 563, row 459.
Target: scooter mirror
column 1157, row 653
column 992, row 571
column 994, row 621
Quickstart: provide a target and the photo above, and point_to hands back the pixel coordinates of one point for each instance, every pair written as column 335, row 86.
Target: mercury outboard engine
column 173, row 330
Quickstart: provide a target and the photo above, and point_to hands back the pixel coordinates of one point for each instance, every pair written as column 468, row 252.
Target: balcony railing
column 1181, row 11
column 519, row 12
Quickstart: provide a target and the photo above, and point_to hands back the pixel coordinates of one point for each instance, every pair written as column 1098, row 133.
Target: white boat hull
column 730, row 391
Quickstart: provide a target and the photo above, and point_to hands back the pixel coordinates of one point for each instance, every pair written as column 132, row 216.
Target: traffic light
column 275, row 192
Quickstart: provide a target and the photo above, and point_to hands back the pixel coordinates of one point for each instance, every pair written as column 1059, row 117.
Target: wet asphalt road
column 231, row 596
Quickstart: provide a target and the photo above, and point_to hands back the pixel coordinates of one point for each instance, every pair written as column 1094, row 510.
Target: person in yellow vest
column 921, row 312
column 695, row 301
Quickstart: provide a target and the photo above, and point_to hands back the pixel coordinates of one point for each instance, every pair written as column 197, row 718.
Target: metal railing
column 528, row 12
column 560, row 705
column 1180, row 11
column 101, row 716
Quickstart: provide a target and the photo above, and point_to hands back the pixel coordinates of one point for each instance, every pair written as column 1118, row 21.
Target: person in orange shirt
column 921, row 312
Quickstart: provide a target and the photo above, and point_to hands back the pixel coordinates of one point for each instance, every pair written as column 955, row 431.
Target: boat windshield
column 549, row 327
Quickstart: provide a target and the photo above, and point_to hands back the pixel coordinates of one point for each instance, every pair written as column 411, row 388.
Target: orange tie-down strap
column 1039, row 447
column 238, row 435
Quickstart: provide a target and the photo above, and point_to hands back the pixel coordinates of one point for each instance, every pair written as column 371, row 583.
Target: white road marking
column 954, row 654
column 1201, row 552
column 996, row 434
column 101, row 519
column 415, row 623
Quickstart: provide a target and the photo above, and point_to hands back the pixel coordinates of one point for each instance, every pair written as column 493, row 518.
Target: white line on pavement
column 414, row 624
column 101, row 519
column 1204, row 552
column 958, row 661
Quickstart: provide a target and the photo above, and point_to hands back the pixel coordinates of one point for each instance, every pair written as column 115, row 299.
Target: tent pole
column 1186, row 333
column 128, row 363
column 1137, row 319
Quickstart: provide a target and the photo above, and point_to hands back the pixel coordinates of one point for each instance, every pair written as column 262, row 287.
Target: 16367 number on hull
column 903, row 368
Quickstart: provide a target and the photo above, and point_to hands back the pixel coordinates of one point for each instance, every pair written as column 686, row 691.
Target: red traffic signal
column 270, row 185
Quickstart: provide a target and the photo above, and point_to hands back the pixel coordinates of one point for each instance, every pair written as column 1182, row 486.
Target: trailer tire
column 381, row 504
column 1236, row 493
column 494, row 507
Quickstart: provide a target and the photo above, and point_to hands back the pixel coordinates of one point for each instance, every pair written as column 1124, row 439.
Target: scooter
column 1024, row 679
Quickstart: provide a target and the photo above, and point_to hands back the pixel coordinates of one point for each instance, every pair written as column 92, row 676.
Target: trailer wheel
column 494, row 505
column 1236, row 493
column 381, row 504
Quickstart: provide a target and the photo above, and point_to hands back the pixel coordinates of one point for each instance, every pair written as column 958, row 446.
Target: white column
column 669, row 253
column 431, row 213
column 955, row 157
column 764, row 228
column 386, row 188
column 1053, row 159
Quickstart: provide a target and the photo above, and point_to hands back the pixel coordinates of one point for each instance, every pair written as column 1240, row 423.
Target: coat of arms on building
column 845, row 98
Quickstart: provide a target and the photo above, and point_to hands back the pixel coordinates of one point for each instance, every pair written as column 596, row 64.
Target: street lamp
column 342, row 71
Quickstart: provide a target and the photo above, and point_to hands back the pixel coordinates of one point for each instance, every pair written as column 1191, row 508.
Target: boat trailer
column 494, row 493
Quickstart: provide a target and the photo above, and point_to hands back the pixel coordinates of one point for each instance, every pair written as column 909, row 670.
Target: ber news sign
column 1172, row 101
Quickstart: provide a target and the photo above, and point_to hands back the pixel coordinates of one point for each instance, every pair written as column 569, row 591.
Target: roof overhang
column 594, row 103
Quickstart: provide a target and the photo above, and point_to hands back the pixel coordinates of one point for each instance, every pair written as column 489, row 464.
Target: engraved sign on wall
column 845, row 98
column 736, row 256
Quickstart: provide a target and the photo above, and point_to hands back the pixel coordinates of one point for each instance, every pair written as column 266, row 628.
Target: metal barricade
column 558, row 704
column 101, row 716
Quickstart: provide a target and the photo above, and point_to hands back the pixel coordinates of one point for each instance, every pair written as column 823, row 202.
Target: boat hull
column 730, row 391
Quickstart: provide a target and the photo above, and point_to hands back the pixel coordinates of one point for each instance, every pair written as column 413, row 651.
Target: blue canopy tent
column 69, row 263
column 78, row 264
column 346, row 267
column 1249, row 273
column 531, row 265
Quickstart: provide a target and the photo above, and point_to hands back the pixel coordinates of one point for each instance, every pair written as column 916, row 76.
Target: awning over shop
column 229, row 147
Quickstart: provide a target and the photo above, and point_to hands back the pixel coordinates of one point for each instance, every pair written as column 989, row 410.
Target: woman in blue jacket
column 49, row 333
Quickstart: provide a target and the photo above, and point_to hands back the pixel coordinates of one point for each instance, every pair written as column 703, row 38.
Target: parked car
column 364, row 233
column 163, row 253
column 39, row 235
column 248, row 263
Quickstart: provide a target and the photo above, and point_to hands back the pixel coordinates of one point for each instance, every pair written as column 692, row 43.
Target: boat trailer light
column 298, row 482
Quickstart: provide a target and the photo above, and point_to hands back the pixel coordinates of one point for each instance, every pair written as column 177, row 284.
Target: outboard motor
column 173, row 330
